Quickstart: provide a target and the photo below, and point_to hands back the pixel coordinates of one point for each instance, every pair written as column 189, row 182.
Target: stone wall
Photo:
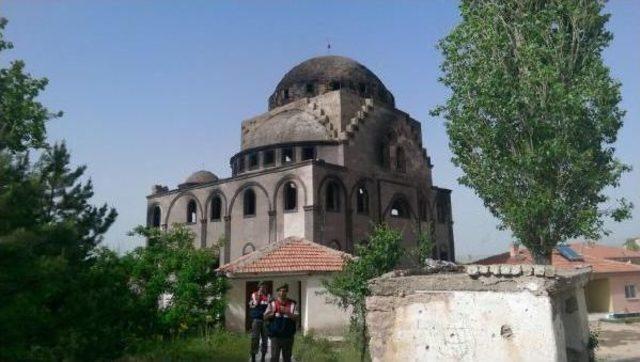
column 499, row 313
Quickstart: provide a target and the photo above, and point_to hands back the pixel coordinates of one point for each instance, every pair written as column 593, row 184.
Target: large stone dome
column 325, row 74
column 288, row 126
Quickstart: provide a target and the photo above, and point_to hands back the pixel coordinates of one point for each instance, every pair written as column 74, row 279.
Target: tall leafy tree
column 350, row 287
column 533, row 116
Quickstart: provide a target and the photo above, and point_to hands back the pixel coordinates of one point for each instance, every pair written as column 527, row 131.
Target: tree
column 533, row 116
column 350, row 287
column 22, row 118
column 170, row 270
column 632, row 244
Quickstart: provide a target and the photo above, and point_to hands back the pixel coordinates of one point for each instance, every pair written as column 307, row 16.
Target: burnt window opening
column 401, row 160
column 286, row 155
column 334, row 85
column 308, row 153
column 362, row 88
column 216, row 208
column 309, row 88
column 240, row 164
column 253, row 160
column 332, row 197
column 442, row 209
column 290, row 196
column 249, row 203
column 192, row 214
column 400, row 209
column 362, row 200
column 286, row 94
column 268, row 157
column 424, row 213
column 155, row 216
column 382, row 154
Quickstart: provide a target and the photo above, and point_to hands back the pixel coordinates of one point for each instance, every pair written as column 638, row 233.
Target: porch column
column 227, row 238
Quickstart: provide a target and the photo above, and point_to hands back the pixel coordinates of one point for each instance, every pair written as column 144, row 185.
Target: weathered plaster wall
column 620, row 303
column 454, row 317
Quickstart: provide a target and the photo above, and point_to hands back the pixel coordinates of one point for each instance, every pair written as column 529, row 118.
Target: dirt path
column 619, row 342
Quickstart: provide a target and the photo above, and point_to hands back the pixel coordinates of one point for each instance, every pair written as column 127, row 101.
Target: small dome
column 199, row 177
column 325, row 74
column 285, row 127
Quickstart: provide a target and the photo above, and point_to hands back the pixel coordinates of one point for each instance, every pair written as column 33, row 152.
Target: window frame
column 219, row 207
column 630, row 291
column 246, row 207
column 266, row 163
column 253, row 161
column 289, row 185
column 336, row 202
column 192, row 214
column 283, row 154
column 365, row 200
column 303, row 153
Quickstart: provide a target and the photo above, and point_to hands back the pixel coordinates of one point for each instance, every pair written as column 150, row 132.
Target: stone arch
column 247, row 246
column 178, row 197
column 223, row 198
column 244, row 187
column 290, row 177
column 341, row 186
column 401, row 198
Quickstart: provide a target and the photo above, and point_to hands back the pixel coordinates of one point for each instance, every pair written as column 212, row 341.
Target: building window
column 332, row 197
column 240, row 163
column 424, row 213
column 362, row 89
column 286, row 155
column 249, row 203
column 362, row 200
column 382, row 154
column 268, row 157
column 309, row 88
column 192, row 214
column 308, row 153
column 334, row 86
column 248, row 248
column 399, row 208
column 155, row 216
column 286, row 94
column 401, row 161
column 442, row 208
column 216, row 208
column 630, row 291
column 290, row 196
column 253, row 160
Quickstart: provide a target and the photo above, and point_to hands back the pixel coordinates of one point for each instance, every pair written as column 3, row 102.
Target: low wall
column 498, row 313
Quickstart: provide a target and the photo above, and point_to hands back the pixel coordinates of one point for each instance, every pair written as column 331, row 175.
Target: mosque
column 331, row 158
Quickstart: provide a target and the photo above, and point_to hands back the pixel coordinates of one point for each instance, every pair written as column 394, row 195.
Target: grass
column 225, row 346
column 218, row 346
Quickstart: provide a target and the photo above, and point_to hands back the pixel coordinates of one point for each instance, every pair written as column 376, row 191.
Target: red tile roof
column 291, row 255
column 599, row 265
column 604, row 251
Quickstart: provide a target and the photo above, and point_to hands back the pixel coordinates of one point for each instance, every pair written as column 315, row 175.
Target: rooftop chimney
column 513, row 249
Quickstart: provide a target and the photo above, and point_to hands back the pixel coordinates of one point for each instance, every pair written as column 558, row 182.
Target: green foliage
column 22, row 118
column 632, row 244
column 419, row 255
column 533, row 116
column 309, row 348
column 350, row 287
column 593, row 344
column 171, row 267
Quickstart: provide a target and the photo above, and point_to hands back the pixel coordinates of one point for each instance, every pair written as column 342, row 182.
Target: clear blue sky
column 154, row 90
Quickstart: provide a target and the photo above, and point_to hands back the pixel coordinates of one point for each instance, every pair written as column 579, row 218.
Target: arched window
column 362, row 200
column 332, row 197
column 155, row 216
column 399, row 208
column 216, row 208
column 401, row 161
column 248, row 248
column 382, row 153
column 249, row 202
column 290, row 196
column 192, row 214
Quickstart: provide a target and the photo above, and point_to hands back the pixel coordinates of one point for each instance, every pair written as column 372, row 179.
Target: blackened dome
column 325, row 74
